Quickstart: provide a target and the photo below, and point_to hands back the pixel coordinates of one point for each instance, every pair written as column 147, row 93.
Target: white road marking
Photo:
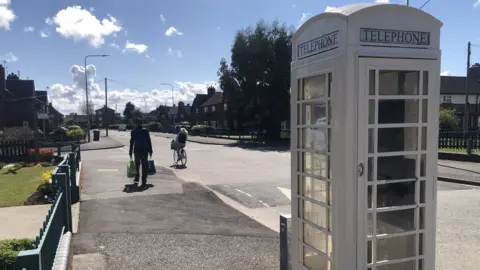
column 266, row 205
column 287, row 192
column 244, row 193
column 107, row 170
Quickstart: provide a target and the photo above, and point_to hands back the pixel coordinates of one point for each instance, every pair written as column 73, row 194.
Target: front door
column 393, row 183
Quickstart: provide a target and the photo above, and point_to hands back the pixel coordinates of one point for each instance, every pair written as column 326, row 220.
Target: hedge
column 201, row 130
column 10, row 248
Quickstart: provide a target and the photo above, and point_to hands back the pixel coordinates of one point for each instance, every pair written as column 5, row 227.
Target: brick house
column 17, row 101
column 213, row 112
column 104, row 117
column 179, row 114
column 452, row 95
column 56, row 118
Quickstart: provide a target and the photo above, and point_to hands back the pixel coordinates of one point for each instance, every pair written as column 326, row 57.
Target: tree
column 256, row 84
column 13, row 76
column 129, row 108
column 448, row 119
column 83, row 108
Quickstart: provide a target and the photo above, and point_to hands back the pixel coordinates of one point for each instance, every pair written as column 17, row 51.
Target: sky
column 167, row 42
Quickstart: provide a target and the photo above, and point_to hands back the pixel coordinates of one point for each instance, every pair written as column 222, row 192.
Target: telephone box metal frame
column 343, row 67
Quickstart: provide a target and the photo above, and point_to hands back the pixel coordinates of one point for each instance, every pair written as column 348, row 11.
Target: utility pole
column 465, row 120
column 408, row 3
column 105, row 117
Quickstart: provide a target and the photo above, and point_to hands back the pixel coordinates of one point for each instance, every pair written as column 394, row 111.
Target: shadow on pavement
column 280, row 147
column 130, row 188
column 178, row 167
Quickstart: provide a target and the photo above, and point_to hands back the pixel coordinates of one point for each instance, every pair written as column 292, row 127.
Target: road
column 252, row 181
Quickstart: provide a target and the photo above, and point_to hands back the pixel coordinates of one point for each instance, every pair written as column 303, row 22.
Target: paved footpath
column 171, row 225
column 461, row 172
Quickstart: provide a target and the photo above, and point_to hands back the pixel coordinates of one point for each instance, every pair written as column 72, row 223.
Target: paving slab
column 22, row 221
column 171, row 225
column 461, row 172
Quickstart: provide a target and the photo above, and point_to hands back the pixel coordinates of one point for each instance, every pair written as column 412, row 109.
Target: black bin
column 96, row 135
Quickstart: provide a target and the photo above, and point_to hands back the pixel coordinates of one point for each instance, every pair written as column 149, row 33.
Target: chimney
column 210, row 90
column 188, row 105
column 2, row 80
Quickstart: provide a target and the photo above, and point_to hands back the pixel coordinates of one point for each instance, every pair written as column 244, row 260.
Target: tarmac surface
column 251, row 176
column 171, row 225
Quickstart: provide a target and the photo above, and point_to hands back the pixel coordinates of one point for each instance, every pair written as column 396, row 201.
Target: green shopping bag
column 131, row 171
column 172, row 145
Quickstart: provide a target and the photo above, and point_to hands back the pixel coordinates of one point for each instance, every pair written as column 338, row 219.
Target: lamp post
column 86, row 90
column 173, row 101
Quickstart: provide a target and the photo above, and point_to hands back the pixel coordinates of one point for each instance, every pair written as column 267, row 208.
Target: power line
column 424, row 4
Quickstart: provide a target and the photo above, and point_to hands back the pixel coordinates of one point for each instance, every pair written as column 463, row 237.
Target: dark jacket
column 182, row 138
column 140, row 142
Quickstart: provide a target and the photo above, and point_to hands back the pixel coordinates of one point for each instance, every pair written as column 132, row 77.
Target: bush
column 155, row 126
column 46, row 154
column 45, row 187
column 10, row 248
column 448, row 119
column 76, row 134
column 201, row 130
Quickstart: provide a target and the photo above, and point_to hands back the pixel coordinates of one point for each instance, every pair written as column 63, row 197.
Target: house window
column 205, row 123
column 206, row 109
column 100, row 112
column 225, row 106
column 181, row 116
column 196, row 110
column 225, row 124
column 100, row 118
column 447, row 99
column 213, row 108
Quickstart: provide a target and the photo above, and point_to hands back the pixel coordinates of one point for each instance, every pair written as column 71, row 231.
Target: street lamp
column 173, row 101
column 86, row 89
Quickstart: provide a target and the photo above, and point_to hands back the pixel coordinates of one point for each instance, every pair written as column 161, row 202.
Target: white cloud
column 29, row 29
column 80, row 24
column 44, row 34
column 382, row 1
column 7, row 16
column 91, row 9
column 304, row 18
column 446, row 73
column 10, row 57
column 173, row 52
column 476, row 4
column 172, row 31
column 115, row 45
column 67, row 97
column 162, row 18
column 133, row 47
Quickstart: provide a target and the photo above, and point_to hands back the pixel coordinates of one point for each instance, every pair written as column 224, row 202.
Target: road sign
column 43, row 116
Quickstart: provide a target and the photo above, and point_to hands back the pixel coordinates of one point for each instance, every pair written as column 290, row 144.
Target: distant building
column 104, row 117
column 452, row 95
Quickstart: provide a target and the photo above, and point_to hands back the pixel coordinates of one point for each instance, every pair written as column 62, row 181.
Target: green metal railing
column 58, row 219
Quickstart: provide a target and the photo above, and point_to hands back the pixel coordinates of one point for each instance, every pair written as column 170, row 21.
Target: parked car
column 122, row 127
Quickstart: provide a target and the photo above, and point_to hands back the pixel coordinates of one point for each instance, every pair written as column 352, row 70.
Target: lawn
column 16, row 188
column 458, row 150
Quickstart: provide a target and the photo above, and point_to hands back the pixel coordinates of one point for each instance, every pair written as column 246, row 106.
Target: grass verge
column 16, row 187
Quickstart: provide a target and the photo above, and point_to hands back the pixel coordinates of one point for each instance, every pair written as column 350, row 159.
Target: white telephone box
column 365, row 102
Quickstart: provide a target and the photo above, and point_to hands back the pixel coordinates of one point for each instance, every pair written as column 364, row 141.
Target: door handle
column 360, row 169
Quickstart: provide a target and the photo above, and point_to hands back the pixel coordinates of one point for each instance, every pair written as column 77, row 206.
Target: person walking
column 141, row 147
